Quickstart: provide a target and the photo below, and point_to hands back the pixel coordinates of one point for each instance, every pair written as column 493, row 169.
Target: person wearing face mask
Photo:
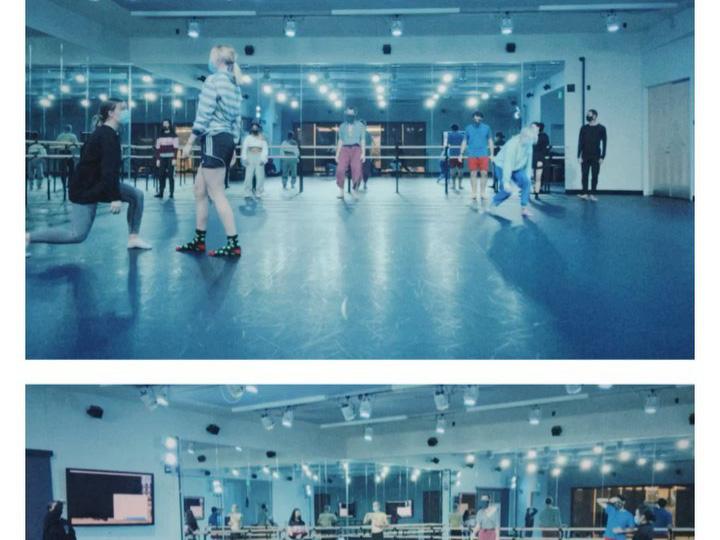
column 218, row 122
column 350, row 151
column 54, row 526
column 478, row 144
column 254, row 156
column 97, row 180
column 514, row 164
column 487, row 524
column 296, row 529
column 619, row 520
column 166, row 147
column 644, row 520
column 592, row 146
column 541, row 151
column 291, row 157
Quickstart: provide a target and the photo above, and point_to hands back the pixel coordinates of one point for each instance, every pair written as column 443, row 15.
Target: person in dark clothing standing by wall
column 592, row 146
column 54, row 526
column 541, row 151
column 644, row 524
column 530, row 520
column 166, row 147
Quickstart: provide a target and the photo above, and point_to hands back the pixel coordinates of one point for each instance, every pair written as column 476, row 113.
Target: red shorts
column 479, row 163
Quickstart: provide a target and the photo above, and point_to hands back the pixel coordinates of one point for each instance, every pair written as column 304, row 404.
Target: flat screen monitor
column 401, row 509
column 97, row 497
column 347, row 510
column 196, row 504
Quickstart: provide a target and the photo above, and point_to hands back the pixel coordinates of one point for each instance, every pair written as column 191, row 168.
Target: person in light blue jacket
column 514, row 163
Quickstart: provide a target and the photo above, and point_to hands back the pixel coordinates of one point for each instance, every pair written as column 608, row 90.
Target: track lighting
column 193, row 29
column 440, row 424
column 368, row 434
column 290, row 27
column 612, row 22
column 441, row 400
column 365, row 408
column 506, row 25
column 267, row 421
column 470, row 396
column 573, row 389
column 348, row 410
column 288, row 417
column 534, row 416
column 396, row 27
column 651, row 403
column 505, row 463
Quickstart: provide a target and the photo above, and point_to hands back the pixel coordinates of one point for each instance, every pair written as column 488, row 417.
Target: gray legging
column 82, row 217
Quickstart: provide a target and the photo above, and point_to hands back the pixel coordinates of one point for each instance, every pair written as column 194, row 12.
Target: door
column 669, row 149
column 432, row 506
column 38, row 491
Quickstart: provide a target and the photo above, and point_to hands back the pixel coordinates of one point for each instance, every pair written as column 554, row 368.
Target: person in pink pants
column 350, row 151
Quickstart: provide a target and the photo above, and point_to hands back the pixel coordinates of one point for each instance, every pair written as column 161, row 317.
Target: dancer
column 592, row 146
column 291, row 157
column 549, row 518
column 479, row 145
column 350, row 151
column 254, row 156
column 514, row 162
column 487, row 526
column 166, row 147
column 377, row 520
column 296, row 526
column 37, row 153
column 619, row 520
column 96, row 180
column 541, row 151
column 71, row 147
column 644, row 520
column 217, row 124
column 453, row 141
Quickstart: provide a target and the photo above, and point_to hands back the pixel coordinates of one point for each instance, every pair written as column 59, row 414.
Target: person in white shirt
column 254, row 156
column 235, row 519
column 487, row 521
column 378, row 521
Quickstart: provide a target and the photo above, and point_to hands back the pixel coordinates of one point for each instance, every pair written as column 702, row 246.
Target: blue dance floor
column 409, row 275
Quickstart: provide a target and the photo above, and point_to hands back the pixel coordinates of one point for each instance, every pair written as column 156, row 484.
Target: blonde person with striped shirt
column 217, row 124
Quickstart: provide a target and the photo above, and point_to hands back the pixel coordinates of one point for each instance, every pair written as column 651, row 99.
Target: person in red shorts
column 478, row 146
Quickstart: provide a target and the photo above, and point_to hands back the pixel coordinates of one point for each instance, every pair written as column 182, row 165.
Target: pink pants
column 487, row 534
column 349, row 155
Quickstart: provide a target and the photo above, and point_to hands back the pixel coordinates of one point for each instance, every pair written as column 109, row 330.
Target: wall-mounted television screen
column 401, row 509
column 196, row 504
column 347, row 510
column 109, row 497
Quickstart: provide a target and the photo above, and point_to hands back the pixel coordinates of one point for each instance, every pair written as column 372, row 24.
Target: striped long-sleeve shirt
column 219, row 107
column 166, row 145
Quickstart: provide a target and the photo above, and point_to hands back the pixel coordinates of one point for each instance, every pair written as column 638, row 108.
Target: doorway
column 432, row 506
column 669, row 140
column 38, row 491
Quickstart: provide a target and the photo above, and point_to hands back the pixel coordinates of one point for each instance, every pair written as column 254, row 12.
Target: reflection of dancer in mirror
column 234, row 519
column 97, row 180
column 296, row 526
column 453, row 143
column 350, row 151
column 541, row 152
column 478, row 144
column 254, row 156
column 290, row 159
column 217, row 124
column 487, row 521
column 377, row 520
column 514, row 164
column 166, row 147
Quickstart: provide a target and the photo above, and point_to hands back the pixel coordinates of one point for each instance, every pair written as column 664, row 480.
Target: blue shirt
column 477, row 136
column 454, row 140
column 621, row 519
column 663, row 518
column 214, row 520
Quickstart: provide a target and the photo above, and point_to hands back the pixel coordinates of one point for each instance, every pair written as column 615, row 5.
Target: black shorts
column 217, row 151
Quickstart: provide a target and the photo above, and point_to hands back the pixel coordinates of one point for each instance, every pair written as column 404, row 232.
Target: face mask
column 212, row 68
column 124, row 117
column 477, row 120
column 638, row 520
column 166, row 128
column 254, row 131
column 350, row 117
column 589, row 118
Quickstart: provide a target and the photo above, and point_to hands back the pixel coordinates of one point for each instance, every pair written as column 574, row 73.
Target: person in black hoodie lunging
column 592, row 146
column 54, row 526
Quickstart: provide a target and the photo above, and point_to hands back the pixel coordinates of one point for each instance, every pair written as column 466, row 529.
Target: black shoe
column 171, row 196
column 158, row 196
column 537, row 196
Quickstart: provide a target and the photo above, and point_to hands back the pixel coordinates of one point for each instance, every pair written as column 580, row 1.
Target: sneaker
column 172, row 196
column 537, row 196
column 158, row 196
column 593, row 198
column 526, row 213
column 192, row 247
column 583, row 196
column 226, row 251
column 341, row 194
column 138, row 243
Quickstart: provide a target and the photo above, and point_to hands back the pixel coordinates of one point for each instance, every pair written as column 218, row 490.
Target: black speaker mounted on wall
column 570, row 88
column 95, row 411
column 556, row 431
column 249, row 50
column 387, row 49
column 271, row 454
column 213, row 429
column 432, row 441
column 510, row 47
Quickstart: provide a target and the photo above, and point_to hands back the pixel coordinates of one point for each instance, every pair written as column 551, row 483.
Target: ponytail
column 225, row 54
column 237, row 73
column 106, row 107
